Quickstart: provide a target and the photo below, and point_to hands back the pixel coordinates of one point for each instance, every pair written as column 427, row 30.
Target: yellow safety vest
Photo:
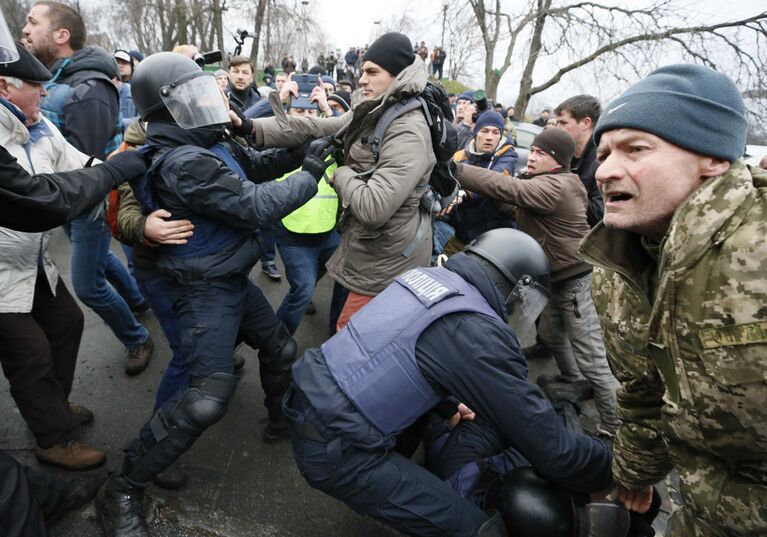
column 317, row 215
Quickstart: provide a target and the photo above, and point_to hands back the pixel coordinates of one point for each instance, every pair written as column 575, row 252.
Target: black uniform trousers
column 38, row 352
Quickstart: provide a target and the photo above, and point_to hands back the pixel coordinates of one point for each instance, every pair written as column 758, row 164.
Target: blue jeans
column 90, row 262
column 124, row 281
column 154, row 285
column 267, row 245
column 301, row 265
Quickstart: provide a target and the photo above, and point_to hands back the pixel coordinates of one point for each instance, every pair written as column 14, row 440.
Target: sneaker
column 275, row 431
column 271, row 270
column 311, row 309
column 84, row 416
column 537, row 352
column 73, row 455
column 138, row 359
column 172, row 478
column 604, row 432
column 140, row 309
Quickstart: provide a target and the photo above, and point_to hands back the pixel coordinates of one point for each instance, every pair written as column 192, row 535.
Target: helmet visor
column 8, row 52
column 525, row 304
column 195, row 102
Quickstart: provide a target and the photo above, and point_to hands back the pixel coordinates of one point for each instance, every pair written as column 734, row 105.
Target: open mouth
column 618, row 197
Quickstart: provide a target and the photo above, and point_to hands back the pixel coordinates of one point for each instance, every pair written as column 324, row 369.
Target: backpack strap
column 392, row 113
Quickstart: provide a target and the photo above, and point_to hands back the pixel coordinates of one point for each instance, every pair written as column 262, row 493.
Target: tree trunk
column 181, row 22
column 523, row 97
column 260, row 11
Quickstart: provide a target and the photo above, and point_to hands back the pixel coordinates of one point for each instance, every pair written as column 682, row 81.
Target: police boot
column 276, row 357
column 493, row 527
column 118, row 505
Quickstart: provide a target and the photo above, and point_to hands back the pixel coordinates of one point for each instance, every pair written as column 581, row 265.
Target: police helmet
column 518, row 267
column 531, row 506
column 173, row 83
column 8, row 52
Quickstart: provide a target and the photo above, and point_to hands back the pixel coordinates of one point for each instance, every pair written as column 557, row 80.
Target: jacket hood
column 411, row 81
column 89, row 58
column 472, row 272
column 12, row 124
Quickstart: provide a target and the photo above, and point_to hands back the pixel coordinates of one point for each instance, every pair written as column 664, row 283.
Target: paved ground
column 239, row 486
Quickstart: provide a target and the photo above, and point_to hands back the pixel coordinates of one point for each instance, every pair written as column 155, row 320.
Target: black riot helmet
column 519, row 269
column 172, row 83
column 8, row 52
column 531, row 506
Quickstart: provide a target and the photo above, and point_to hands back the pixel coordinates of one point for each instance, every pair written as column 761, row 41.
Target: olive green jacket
column 687, row 337
column 380, row 213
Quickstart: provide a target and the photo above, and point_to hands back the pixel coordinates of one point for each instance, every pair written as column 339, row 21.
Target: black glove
column 318, row 157
column 126, row 165
column 244, row 130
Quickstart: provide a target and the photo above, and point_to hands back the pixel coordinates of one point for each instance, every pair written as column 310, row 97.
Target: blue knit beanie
column 467, row 96
column 691, row 106
column 489, row 118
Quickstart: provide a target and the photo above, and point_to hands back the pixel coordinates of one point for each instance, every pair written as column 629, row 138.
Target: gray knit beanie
column 691, row 106
column 557, row 143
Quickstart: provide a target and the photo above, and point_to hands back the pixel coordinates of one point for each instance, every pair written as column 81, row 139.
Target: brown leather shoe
column 138, row 359
column 73, row 455
column 84, row 416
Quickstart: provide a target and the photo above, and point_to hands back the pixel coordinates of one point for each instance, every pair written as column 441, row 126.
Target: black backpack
column 433, row 101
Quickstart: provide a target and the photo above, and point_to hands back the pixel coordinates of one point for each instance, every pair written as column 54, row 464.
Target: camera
column 480, row 99
column 205, row 58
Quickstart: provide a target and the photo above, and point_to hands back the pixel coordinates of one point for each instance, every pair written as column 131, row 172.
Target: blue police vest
column 52, row 105
column 374, row 363
column 210, row 236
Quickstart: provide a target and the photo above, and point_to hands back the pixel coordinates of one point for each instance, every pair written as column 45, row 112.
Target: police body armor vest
column 52, row 105
column 317, row 215
column 374, row 364
column 210, row 236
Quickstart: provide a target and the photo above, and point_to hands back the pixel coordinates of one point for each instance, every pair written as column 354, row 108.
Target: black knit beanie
column 391, row 51
column 556, row 143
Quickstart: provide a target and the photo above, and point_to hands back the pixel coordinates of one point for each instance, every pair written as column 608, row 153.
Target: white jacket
column 39, row 149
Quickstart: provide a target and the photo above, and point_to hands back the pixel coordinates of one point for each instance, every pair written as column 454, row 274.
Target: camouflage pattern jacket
column 686, row 333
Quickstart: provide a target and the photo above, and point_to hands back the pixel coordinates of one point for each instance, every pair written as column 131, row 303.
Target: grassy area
column 453, row 86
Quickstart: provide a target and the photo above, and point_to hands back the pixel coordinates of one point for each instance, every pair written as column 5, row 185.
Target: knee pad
column 204, row 404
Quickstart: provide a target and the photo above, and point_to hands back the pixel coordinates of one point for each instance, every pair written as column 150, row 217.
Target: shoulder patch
column 426, row 288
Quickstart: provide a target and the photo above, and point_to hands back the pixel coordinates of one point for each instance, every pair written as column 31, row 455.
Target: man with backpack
column 384, row 231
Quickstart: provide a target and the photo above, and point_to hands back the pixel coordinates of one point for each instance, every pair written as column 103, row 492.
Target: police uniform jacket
column 476, row 359
column 225, row 209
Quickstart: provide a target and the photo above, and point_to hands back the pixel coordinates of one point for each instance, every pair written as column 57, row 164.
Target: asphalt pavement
column 238, row 485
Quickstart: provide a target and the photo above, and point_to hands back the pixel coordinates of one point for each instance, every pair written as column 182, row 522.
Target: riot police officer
column 435, row 333
column 199, row 176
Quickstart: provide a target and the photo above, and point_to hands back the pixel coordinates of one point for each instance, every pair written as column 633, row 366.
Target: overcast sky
column 353, row 24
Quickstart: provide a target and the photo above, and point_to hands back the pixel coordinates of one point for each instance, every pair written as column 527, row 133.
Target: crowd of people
column 630, row 243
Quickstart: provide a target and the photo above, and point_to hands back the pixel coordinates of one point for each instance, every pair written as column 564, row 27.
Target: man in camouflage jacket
column 680, row 284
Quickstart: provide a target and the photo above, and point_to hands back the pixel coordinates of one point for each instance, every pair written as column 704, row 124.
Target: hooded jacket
column 39, row 149
column 480, row 213
column 381, row 214
column 83, row 102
